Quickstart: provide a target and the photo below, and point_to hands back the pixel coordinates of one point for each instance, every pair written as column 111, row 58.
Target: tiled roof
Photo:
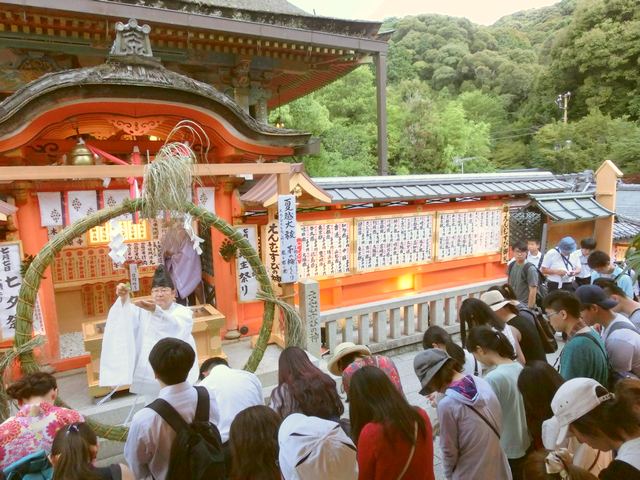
column 415, row 187
column 628, row 201
column 571, row 206
column 625, row 230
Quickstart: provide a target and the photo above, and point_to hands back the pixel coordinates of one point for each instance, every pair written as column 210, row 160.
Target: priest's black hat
column 161, row 278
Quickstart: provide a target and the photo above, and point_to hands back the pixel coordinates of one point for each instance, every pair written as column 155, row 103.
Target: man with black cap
column 621, row 338
column 132, row 330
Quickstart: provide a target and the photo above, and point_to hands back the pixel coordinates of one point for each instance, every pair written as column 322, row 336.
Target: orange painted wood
column 34, row 237
column 220, row 135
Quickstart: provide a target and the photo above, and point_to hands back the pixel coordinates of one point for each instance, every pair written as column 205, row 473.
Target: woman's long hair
column 473, row 313
column 538, row 382
column 373, row 398
column 313, row 390
column 489, row 339
column 437, row 334
column 253, row 441
column 71, row 449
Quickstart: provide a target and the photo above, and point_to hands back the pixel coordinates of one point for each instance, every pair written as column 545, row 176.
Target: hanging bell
column 80, row 155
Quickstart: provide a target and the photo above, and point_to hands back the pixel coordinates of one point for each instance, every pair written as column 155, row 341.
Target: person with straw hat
column 349, row 358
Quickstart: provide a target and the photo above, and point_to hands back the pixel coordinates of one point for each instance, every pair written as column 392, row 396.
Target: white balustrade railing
column 398, row 322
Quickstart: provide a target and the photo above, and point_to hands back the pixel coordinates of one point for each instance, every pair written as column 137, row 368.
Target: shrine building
column 89, row 98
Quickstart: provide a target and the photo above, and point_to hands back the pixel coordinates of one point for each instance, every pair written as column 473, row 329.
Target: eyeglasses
column 161, row 291
column 547, row 316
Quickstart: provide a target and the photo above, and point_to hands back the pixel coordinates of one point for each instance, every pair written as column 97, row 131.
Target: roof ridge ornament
column 132, row 40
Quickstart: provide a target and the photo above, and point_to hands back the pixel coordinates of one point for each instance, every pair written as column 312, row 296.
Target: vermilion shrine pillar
column 33, row 241
column 224, row 272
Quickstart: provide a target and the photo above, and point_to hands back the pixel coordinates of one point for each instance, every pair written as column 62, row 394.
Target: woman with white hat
column 349, row 358
column 603, row 420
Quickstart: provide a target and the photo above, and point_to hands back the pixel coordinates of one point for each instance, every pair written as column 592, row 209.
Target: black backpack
column 545, row 330
column 196, row 453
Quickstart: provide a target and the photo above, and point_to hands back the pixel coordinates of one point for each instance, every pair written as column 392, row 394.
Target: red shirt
column 383, row 458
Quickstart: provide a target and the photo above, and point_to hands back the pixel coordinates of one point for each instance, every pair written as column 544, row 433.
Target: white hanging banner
column 113, row 198
column 288, row 245
column 205, row 198
column 81, row 203
column 247, row 281
column 10, row 282
column 50, row 209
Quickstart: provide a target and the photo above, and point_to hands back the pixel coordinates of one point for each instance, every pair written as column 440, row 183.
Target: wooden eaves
column 64, row 172
column 204, row 22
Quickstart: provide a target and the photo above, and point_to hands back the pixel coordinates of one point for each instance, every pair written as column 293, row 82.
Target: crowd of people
column 502, row 411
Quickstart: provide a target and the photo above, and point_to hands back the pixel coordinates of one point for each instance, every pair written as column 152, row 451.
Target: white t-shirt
column 585, row 269
column 534, row 259
column 554, row 260
column 629, row 452
column 235, row 390
column 623, row 347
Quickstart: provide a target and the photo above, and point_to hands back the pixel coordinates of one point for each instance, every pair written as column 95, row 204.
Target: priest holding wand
column 133, row 329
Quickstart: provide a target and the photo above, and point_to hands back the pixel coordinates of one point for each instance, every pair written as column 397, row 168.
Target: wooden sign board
column 468, row 233
column 393, row 242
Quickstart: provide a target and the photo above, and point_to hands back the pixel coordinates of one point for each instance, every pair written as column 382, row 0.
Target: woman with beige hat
column 349, row 357
column 524, row 330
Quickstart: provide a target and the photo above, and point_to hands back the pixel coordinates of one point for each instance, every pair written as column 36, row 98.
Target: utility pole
column 562, row 100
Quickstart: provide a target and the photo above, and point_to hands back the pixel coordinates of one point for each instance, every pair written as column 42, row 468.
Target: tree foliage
column 487, row 95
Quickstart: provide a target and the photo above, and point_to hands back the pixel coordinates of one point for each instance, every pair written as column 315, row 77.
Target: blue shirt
column 623, row 281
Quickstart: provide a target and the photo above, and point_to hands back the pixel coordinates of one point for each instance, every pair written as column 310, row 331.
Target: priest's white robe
column 130, row 334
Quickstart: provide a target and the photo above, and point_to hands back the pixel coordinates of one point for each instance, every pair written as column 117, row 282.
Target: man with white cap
column 312, row 448
column 561, row 264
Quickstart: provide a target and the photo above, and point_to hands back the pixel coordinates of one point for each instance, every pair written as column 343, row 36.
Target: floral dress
column 32, row 429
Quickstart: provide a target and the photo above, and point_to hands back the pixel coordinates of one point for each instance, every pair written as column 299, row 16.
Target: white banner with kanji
column 247, row 282
column 81, row 203
column 50, row 209
column 10, row 282
column 205, row 198
column 288, row 244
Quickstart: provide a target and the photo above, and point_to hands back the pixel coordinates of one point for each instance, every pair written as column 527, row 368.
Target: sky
column 484, row 12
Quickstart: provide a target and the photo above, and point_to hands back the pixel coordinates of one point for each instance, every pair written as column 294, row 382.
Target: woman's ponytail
column 71, row 452
column 490, row 339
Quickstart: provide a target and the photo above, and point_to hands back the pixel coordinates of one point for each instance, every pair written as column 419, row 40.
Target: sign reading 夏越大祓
column 288, row 243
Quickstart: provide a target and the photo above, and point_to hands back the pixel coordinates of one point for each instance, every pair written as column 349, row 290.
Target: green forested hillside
column 485, row 96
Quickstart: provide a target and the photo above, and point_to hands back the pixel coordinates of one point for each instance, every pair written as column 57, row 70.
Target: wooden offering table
column 207, row 322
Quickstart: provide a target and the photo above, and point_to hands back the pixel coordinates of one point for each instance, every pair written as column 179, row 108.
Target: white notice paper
column 288, row 246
